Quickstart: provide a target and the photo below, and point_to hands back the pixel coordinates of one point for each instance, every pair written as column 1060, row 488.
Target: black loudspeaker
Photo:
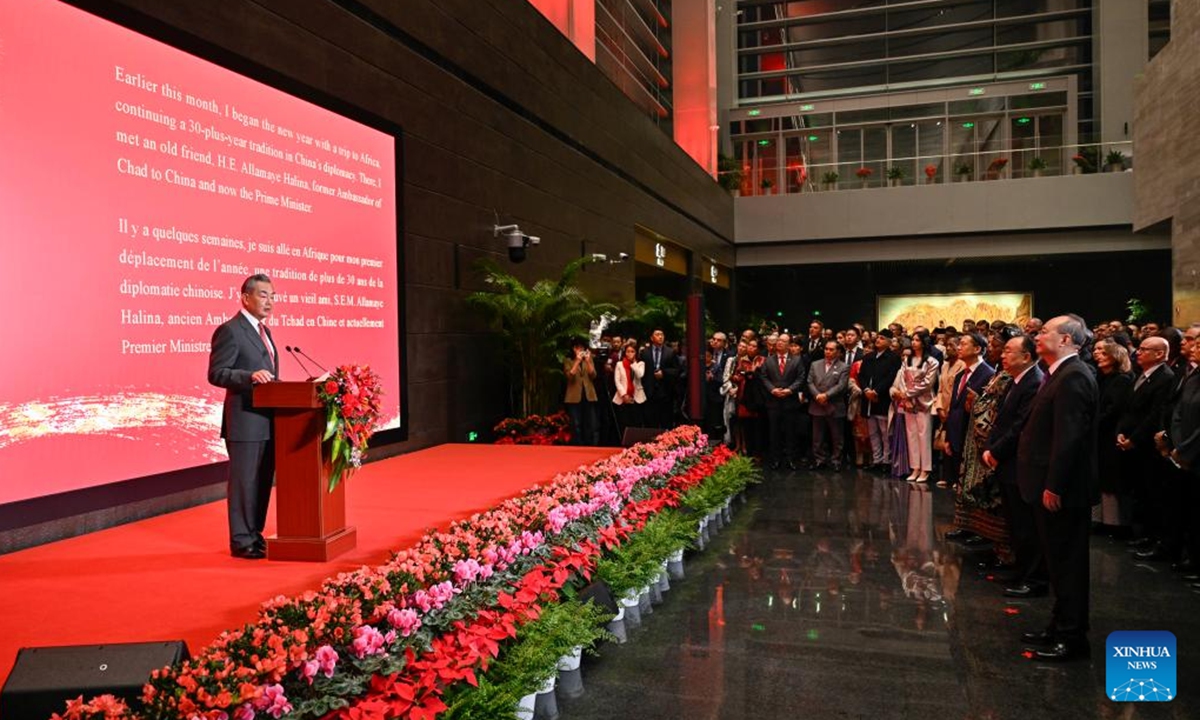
column 44, row 679
column 635, row 435
column 599, row 593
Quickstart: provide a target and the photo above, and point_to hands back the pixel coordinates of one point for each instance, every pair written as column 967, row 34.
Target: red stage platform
column 171, row 577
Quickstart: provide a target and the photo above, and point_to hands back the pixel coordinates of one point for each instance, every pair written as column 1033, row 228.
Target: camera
column 516, row 240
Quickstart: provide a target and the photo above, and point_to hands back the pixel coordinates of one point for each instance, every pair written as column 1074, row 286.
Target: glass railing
column 981, row 166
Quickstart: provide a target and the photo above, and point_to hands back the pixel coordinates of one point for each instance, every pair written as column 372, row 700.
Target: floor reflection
column 831, row 595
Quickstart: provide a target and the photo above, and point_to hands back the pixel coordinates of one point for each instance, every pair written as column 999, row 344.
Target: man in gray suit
column 244, row 355
column 827, row 381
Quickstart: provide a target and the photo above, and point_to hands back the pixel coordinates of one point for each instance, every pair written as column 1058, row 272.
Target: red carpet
column 171, row 577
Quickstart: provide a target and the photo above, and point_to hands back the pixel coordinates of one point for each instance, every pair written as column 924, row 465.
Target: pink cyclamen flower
column 367, row 641
column 244, row 712
column 273, row 701
column 406, row 621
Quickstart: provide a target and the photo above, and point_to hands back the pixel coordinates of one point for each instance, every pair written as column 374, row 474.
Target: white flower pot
column 616, row 626
column 675, row 565
column 571, row 662
column 664, row 581
column 545, row 705
column 645, row 602
column 632, row 609
column 526, row 706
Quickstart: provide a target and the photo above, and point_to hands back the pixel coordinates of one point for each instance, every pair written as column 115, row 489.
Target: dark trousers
column 1064, row 537
column 782, row 421
column 714, row 413
column 827, row 426
column 1030, row 563
column 251, row 473
column 584, row 428
column 659, row 412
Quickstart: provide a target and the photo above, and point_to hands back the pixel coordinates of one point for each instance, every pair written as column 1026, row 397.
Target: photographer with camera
column 580, row 399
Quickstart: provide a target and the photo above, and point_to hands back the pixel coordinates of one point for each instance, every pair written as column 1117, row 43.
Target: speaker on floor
column 43, row 679
column 635, row 435
column 599, row 592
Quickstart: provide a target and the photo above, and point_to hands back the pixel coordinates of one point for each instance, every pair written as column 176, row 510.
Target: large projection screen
column 139, row 185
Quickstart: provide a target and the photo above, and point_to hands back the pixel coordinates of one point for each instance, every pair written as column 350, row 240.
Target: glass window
column 930, row 140
column 904, row 152
column 1051, row 99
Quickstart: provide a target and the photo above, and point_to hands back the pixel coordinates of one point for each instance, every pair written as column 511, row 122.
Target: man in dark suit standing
column 1142, row 419
column 244, row 355
column 968, row 384
column 1058, row 478
column 714, row 400
column 1029, row 576
column 783, row 376
column 827, row 382
column 815, row 345
column 662, row 373
column 875, row 377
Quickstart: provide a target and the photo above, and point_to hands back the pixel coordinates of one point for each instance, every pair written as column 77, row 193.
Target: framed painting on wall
column 934, row 311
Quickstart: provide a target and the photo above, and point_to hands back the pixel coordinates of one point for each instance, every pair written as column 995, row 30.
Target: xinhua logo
column 1141, row 666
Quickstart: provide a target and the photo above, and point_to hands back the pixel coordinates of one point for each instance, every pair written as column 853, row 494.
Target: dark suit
column 714, row 400
column 237, row 353
column 1144, row 416
column 1184, row 432
column 1057, row 452
column 1002, row 444
column 783, row 412
column 660, row 394
column 878, row 372
column 958, row 418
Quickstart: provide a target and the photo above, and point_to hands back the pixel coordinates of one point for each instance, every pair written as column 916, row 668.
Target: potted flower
column 931, row 171
column 996, row 168
column 895, row 175
column 1115, row 160
column 1081, row 165
column 864, row 174
column 829, row 180
column 962, row 170
column 729, row 174
column 767, row 184
column 1036, row 166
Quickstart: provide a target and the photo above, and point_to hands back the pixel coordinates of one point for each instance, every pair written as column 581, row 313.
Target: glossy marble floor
column 831, row 595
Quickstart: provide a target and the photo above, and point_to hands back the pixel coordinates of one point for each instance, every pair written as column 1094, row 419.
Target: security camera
column 622, row 257
column 516, row 240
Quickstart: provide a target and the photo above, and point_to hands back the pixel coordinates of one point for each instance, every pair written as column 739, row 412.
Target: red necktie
column 262, row 333
column 782, row 364
column 963, row 385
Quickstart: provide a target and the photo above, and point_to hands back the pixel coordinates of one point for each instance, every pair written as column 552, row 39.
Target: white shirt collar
column 1150, row 372
column 253, row 320
column 1060, row 361
column 978, row 362
column 1017, row 379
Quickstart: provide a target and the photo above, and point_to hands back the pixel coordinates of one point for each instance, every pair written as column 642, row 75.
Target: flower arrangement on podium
column 351, row 395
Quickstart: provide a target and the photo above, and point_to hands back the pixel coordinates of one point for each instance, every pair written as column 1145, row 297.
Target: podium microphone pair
column 297, row 353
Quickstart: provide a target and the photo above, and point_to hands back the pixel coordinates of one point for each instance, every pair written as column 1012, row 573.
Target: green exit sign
column 807, row 108
column 975, row 91
column 1037, row 86
column 968, row 125
column 813, row 138
column 764, row 142
column 754, row 113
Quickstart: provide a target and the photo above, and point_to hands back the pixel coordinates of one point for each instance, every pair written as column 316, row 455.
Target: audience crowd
column 1044, row 432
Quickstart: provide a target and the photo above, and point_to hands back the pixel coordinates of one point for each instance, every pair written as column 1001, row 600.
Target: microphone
column 292, row 351
column 306, row 357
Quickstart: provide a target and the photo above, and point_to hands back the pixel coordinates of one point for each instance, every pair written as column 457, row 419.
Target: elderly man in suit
column 1028, row 577
column 875, row 377
column 783, row 376
column 1058, row 478
column 243, row 355
column 827, row 383
column 662, row 374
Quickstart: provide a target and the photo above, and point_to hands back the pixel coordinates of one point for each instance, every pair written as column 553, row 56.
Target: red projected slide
column 139, row 185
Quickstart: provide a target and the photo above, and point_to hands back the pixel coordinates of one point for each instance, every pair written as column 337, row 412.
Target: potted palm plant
column 729, row 174
column 829, row 180
column 1036, row 166
column 1115, row 160
column 895, row 175
column 962, row 170
column 767, row 184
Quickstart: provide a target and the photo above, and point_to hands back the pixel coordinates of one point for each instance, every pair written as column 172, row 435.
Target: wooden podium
column 310, row 520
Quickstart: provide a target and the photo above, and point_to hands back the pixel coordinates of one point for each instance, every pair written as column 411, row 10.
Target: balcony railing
column 766, row 178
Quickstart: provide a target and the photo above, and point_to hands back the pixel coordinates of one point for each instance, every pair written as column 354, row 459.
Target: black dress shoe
column 792, row 466
column 816, row 465
column 1184, row 566
column 1140, row 543
column 1191, row 577
column 1005, row 576
column 249, row 553
column 975, row 541
column 1063, row 652
column 1025, row 590
column 958, row 534
column 1042, row 637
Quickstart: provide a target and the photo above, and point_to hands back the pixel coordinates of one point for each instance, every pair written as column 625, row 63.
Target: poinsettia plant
column 534, row 430
column 351, row 395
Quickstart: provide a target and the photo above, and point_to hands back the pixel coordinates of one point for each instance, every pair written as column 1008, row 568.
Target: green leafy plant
column 830, row 178
column 895, row 173
column 729, row 173
column 536, row 323
column 1037, row 164
column 962, row 168
column 767, row 183
column 1114, row 157
column 1139, row 311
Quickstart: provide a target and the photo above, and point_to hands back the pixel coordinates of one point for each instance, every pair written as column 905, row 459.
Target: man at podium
column 244, row 355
